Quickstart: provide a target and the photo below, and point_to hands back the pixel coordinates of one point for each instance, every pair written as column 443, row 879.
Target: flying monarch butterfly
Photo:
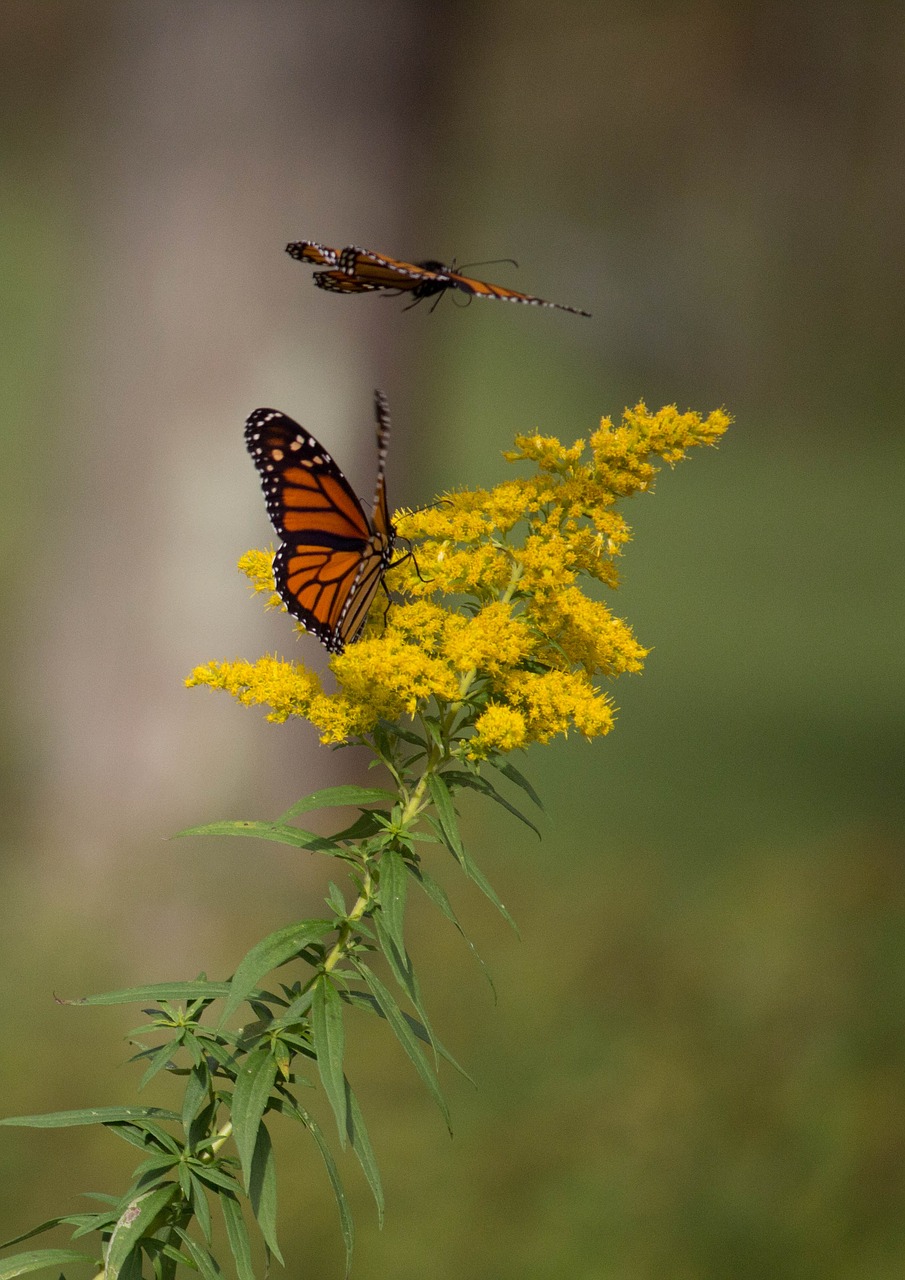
column 356, row 270
column 332, row 558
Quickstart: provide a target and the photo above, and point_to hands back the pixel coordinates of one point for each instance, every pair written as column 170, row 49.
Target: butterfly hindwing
column 332, row 558
column 338, row 282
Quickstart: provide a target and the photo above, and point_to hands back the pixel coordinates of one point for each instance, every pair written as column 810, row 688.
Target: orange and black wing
column 339, row 282
column 425, row 279
column 331, row 560
column 358, row 270
column 308, row 251
column 381, row 272
column 479, row 289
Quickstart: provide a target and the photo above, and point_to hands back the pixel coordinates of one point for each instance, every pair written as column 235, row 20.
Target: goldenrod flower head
column 498, row 729
column 496, row 631
column 258, row 569
column 286, row 687
column 551, row 701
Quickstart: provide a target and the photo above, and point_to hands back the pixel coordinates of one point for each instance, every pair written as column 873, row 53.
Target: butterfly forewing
column 308, row 251
column 332, row 559
column 383, row 272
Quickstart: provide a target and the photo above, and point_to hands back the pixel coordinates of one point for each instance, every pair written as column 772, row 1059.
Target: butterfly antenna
column 491, row 262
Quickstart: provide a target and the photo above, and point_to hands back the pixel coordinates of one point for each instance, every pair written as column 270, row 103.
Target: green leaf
column 92, row 1222
column 205, row 1262
column 367, row 822
column 238, row 1236
column 404, row 973
column 475, row 782
column 509, row 771
column 37, row 1259
column 197, row 1091
column 200, row 1206
column 262, row 1190
column 361, row 1145
column 136, row 1221
column 393, row 886
column 254, row 1082
column 145, row 1136
column 438, row 896
column 405, row 735
column 217, row 1179
column 329, row 1045
column 274, row 950
column 150, row 1170
column 336, row 798
column 159, row 1059
column 69, row 1219
column 447, row 826
column 446, row 814
column 365, row 1000
column 90, row 1115
column 295, row 1011
column 159, row 991
column 394, row 1017
column 277, row 832
column 335, row 900
column 345, row 1217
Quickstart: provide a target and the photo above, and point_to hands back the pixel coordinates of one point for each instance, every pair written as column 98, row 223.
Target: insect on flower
column 332, row 557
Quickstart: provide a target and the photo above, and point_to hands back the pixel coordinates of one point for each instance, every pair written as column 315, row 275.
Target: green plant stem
column 361, row 905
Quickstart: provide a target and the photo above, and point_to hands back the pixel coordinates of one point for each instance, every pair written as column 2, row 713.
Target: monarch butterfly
column 356, row 270
column 332, row 558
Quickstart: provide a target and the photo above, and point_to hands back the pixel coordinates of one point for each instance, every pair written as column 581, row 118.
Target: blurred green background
column 695, row 1065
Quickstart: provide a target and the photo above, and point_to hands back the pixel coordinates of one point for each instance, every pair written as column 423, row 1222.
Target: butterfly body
column 332, row 557
column 354, row 270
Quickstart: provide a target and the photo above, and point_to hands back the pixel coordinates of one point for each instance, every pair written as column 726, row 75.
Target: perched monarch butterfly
column 332, row 558
column 361, row 271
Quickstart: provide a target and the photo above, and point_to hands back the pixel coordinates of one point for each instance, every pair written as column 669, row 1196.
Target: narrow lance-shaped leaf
column 361, row 1145
column 206, row 1263
column 329, row 1045
column 262, row 1190
column 404, row 973
column 509, row 771
column 136, row 1221
column 90, row 1115
column 393, row 886
column 197, row 1091
column 449, row 829
column 277, row 832
column 237, row 1235
column 254, row 1082
column 68, row 1219
column 338, row 797
column 365, row 1000
column 475, row 782
column 270, row 953
column 438, row 896
column 157, row 991
column 20, row 1264
column 403, row 1032
column 292, row 1108
column 201, row 1207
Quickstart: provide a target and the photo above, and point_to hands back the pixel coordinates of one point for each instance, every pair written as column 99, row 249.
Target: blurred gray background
column 695, row 1065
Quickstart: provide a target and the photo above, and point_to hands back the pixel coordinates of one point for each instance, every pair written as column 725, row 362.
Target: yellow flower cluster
column 494, row 631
